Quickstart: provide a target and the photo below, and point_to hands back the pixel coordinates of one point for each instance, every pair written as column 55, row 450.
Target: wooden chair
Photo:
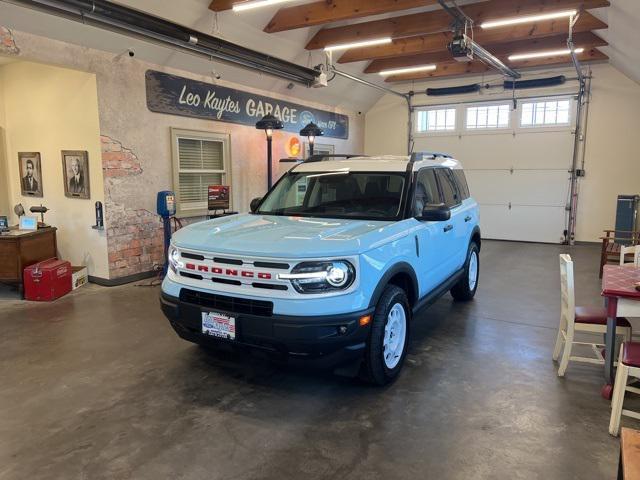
column 625, row 252
column 628, row 366
column 612, row 243
column 580, row 319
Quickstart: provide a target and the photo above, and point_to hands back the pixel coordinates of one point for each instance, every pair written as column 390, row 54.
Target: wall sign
column 190, row 98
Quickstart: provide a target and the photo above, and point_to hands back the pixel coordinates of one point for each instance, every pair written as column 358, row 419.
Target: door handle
column 448, row 227
column 467, row 218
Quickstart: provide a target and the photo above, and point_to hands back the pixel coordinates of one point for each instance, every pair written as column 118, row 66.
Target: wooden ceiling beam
column 328, row 11
column 221, row 5
column 456, row 69
column 438, row 42
column 585, row 40
column 439, row 20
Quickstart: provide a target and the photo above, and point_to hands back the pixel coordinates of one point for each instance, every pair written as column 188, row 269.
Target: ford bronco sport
column 332, row 264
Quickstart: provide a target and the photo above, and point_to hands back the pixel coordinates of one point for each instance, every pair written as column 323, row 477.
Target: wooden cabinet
column 19, row 249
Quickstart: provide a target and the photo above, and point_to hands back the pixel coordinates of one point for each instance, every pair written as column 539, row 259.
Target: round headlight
column 320, row 277
column 337, row 274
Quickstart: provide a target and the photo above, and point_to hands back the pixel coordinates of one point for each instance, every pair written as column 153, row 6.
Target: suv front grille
column 227, row 304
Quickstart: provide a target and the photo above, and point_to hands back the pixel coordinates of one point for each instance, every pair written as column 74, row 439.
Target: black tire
column 374, row 370
column 462, row 290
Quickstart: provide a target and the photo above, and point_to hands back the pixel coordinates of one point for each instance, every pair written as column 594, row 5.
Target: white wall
column 612, row 163
column 49, row 109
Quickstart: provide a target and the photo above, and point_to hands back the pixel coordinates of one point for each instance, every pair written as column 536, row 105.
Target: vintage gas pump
column 166, row 207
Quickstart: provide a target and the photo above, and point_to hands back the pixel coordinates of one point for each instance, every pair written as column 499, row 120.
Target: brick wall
column 134, row 236
column 7, row 42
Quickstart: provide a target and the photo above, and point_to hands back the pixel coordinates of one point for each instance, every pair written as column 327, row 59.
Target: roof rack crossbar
column 320, row 157
column 416, row 156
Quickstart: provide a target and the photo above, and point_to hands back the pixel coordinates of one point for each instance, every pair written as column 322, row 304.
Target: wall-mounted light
column 311, row 131
column 400, row 71
column 528, row 19
column 240, row 7
column 269, row 123
column 548, row 53
column 364, row 43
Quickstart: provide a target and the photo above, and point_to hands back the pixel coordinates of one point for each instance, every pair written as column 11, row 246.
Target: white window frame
column 199, row 209
column 547, row 128
column 471, row 131
column 429, row 133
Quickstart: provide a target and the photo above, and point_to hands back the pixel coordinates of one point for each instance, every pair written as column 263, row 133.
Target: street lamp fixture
column 311, row 131
column 269, row 123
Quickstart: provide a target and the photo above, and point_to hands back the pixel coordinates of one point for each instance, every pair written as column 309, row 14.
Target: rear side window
column 426, row 190
column 461, row 180
column 448, row 186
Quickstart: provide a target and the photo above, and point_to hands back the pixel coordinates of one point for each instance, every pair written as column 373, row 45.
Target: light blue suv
column 332, row 264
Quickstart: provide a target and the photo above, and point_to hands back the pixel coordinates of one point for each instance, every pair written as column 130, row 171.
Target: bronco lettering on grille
column 230, row 272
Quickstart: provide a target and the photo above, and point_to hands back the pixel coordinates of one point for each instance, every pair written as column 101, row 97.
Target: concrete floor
column 97, row 385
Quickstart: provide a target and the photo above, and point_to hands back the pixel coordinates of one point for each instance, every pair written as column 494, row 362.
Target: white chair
column 624, row 251
column 628, row 365
column 580, row 319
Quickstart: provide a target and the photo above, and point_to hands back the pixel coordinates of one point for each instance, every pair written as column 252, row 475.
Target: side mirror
column 435, row 213
column 255, row 203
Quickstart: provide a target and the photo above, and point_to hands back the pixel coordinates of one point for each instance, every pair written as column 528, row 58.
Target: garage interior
column 97, row 385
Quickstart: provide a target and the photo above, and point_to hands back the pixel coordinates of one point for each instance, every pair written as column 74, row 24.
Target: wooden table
column 622, row 300
column 19, row 249
column 629, row 466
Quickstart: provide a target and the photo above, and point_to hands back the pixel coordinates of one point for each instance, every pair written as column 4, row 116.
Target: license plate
column 219, row 325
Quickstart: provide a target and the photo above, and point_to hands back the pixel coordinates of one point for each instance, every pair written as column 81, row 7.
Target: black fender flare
column 476, row 230
column 400, row 267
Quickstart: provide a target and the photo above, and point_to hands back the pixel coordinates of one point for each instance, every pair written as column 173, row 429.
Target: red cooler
column 47, row 280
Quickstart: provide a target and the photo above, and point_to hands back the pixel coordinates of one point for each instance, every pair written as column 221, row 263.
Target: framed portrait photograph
column 30, row 174
column 75, row 165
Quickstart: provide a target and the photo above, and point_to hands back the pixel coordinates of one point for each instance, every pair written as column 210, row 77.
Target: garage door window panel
column 200, row 159
column 546, row 113
column 488, row 117
column 436, row 120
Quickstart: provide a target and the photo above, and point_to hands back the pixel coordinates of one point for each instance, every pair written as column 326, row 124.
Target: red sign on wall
column 218, row 197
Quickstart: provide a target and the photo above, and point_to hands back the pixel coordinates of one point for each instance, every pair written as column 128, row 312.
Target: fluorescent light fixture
column 241, row 7
column 400, row 71
column 548, row 53
column 528, row 19
column 364, row 43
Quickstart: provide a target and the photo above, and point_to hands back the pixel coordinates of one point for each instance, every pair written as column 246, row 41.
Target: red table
column 622, row 300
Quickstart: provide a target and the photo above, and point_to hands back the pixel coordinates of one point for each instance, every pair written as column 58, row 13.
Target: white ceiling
column 623, row 35
column 246, row 29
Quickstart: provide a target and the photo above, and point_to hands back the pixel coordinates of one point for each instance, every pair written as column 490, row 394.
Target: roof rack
column 416, row 156
column 320, row 157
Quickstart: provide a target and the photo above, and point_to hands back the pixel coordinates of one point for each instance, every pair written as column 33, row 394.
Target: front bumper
column 321, row 341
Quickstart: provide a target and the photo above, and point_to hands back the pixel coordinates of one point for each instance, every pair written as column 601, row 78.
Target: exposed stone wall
column 134, row 236
column 7, row 42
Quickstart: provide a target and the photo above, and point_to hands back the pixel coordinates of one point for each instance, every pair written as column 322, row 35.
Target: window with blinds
column 199, row 161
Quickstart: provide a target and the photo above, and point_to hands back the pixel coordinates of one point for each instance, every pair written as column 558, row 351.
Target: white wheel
column 473, row 270
column 466, row 287
column 395, row 332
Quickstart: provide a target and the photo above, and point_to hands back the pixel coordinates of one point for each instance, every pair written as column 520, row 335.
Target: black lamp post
column 269, row 123
column 311, row 131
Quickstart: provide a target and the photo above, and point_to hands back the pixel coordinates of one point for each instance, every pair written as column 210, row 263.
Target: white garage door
column 517, row 162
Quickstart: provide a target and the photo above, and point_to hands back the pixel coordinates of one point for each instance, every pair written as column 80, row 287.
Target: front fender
column 400, row 267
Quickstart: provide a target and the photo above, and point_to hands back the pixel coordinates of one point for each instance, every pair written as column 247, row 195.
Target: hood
column 282, row 237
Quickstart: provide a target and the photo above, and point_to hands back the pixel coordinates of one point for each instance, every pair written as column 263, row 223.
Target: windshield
column 358, row 195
